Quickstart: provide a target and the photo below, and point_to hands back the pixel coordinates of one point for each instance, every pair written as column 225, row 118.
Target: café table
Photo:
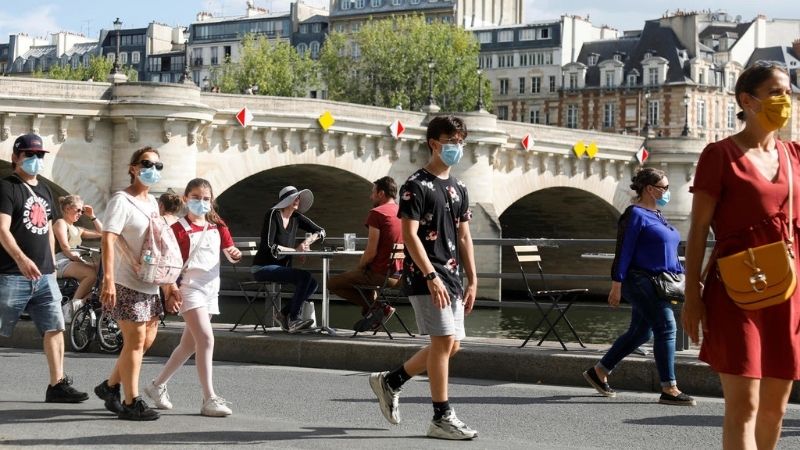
column 325, row 255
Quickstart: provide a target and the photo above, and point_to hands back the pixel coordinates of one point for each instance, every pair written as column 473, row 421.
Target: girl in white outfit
column 201, row 235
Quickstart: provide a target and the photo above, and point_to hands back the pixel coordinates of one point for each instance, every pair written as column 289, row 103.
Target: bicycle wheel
column 81, row 329
column 108, row 333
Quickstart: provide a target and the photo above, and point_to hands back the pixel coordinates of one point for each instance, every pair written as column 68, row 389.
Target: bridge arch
column 341, row 198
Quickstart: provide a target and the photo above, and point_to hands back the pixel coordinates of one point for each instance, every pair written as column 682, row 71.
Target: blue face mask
column 32, row 166
column 662, row 202
column 150, row 176
column 198, row 207
column 452, row 153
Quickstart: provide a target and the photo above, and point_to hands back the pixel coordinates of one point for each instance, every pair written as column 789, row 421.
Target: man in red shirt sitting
column 384, row 231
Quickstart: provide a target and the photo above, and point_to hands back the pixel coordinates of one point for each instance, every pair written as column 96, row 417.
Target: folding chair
column 255, row 290
column 560, row 301
column 382, row 290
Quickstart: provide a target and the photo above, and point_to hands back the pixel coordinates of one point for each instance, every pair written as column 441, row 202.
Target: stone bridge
column 92, row 129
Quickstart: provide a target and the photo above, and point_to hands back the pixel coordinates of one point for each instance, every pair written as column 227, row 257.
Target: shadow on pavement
column 791, row 427
column 555, row 399
column 203, row 437
column 9, row 416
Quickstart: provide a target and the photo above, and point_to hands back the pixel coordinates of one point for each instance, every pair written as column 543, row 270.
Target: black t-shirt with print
column 439, row 206
column 30, row 223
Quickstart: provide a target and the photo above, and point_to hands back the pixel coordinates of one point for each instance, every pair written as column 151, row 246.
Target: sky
column 40, row 17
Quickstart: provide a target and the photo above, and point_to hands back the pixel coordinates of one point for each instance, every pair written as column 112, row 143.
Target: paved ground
column 287, row 407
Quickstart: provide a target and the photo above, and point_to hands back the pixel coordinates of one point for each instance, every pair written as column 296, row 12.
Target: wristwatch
column 431, row 276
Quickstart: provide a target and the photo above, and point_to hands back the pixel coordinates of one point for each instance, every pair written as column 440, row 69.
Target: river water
column 594, row 322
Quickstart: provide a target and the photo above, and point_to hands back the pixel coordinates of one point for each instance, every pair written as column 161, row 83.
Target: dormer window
column 617, row 57
column 593, row 59
column 632, row 79
column 648, row 55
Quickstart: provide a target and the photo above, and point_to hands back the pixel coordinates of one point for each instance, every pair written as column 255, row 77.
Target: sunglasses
column 31, row 154
column 146, row 163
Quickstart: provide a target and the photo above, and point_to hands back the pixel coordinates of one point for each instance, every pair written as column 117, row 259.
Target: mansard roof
column 654, row 39
column 785, row 55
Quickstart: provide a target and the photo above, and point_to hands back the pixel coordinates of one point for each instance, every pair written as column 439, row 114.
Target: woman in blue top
column 646, row 246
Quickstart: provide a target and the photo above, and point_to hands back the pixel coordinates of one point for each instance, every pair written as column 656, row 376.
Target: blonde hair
column 67, row 201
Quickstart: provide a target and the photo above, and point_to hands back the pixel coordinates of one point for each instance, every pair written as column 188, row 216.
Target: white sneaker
column 216, row 407
column 159, row 395
column 388, row 398
column 449, row 427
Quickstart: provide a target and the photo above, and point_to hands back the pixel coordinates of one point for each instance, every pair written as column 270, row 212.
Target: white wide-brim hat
column 289, row 193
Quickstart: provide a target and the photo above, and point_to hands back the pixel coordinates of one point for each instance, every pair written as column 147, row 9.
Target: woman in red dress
column 741, row 191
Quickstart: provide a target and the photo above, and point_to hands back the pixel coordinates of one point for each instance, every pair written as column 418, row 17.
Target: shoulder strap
column 791, row 190
column 27, row 186
column 185, row 224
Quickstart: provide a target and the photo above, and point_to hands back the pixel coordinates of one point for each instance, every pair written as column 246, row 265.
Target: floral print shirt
column 439, row 205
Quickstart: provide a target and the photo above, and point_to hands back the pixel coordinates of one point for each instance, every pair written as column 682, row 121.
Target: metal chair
column 396, row 254
column 560, row 301
column 254, row 290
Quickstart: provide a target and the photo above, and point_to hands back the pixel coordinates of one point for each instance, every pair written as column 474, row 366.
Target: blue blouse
column 645, row 241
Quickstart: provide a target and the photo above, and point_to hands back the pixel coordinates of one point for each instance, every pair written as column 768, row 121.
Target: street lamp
column 480, row 90
column 117, row 27
column 646, row 128
column 685, row 131
column 186, row 78
column 431, row 65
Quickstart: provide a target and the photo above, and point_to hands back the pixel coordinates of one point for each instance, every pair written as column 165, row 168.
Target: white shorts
column 438, row 322
column 193, row 299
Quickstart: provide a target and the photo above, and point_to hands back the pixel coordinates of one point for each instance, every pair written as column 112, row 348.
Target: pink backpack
column 160, row 260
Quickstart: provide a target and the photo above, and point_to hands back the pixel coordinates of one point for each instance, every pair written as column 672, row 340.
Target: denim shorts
column 40, row 298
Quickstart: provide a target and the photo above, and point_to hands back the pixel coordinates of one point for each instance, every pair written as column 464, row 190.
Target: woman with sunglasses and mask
column 69, row 263
column 646, row 246
column 134, row 304
column 741, row 190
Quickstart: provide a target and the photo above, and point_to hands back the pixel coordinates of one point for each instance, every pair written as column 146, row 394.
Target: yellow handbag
column 762, row 276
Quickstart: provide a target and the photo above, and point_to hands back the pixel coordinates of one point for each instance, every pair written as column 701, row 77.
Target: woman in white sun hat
column 278, row 232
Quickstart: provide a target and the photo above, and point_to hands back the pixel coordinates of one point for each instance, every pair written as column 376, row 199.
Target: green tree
column 272, row 65
column 98, row 69
column 390, row 65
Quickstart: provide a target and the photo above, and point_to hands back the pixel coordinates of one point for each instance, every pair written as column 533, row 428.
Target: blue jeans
column 41, row 298
column 650, row 317
column 304, row 284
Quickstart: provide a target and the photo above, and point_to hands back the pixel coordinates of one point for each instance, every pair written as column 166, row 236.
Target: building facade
column 675, row 77
column 523, row 64
column 214, row 40
column 347, row 16
column 26, row 55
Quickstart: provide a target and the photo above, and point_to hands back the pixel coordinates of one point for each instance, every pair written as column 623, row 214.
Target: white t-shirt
column 126, row 220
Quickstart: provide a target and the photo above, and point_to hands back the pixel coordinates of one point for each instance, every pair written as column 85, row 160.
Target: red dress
column 750, row 211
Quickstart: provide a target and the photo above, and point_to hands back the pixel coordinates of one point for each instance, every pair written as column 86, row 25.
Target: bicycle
column 90, row 321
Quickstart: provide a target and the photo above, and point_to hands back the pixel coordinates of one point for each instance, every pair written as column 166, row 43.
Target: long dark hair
column 647, row 176
column 212, row 215
column 752, row 77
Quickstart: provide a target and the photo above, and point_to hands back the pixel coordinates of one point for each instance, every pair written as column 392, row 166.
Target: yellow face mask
column 775, row 112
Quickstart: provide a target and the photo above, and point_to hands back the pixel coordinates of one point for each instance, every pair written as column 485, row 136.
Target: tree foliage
column 98, row 69
column 272, row 65
column 390, row 65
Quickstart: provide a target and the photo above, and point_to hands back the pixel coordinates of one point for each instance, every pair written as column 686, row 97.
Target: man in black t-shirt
column 434, row 211
column 27, row 278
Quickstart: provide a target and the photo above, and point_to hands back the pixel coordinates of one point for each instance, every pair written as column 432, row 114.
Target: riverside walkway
column 480, row 358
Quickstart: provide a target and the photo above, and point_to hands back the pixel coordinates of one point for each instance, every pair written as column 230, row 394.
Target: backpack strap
column 185, row 224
